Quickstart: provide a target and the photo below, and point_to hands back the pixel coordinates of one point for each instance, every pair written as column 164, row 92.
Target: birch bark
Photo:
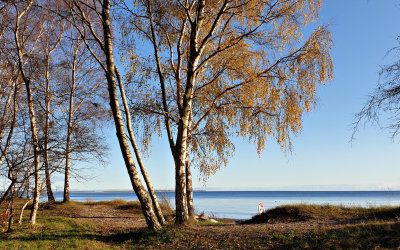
column 140, row 191
column 34, row 134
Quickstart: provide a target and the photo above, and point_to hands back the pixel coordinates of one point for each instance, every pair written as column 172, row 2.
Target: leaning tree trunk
column 21, row 214
column 7, row 192
column 153, row 196
column 13, row 91
column 151, row 218
column 35, row 144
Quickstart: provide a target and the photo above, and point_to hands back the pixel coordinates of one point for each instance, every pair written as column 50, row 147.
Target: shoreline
column 238, row 191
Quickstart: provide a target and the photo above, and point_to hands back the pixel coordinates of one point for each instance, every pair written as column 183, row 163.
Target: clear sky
column 323, row 158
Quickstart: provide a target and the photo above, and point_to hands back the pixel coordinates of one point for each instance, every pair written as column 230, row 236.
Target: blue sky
column 323, row 158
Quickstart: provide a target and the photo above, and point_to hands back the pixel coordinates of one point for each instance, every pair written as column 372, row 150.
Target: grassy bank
column 325, row 213
column 119, row 224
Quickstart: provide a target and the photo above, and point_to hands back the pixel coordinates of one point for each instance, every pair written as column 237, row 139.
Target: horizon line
column 236, row 190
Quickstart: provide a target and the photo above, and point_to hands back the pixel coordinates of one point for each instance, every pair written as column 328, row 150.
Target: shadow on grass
column 103, row 217
column 383, row 214
column 367, row 236
column 51, row 229
column 144, row 236
column 70, row 234
column 362, row 236
column 133, row 237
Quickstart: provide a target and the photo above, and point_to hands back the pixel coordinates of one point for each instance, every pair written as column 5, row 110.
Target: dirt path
column 105, row 216
column 112, row 218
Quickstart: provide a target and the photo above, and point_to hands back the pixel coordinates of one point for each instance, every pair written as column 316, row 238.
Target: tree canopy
column 255, row 75
column 222, row 69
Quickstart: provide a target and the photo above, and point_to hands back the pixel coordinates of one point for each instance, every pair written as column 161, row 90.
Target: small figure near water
column 260, row 208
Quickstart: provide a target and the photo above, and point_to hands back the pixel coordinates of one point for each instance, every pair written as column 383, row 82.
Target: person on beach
column 260, row 208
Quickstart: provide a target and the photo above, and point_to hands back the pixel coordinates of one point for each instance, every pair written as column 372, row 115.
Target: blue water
column 243, row 204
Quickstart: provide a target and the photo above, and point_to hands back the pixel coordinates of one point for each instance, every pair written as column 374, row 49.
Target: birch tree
column 28, row 27
column 9, row 89
column 223, row 69
column 82, row 105
column 16, row 168
column 385, row 99
column 32, row 98
column 94, row 23
column 12, row 106
column 25, row 21
column 48, row 42
column 9, row 98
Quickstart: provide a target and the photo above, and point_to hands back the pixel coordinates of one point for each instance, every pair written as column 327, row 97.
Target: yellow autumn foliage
column 255, row 74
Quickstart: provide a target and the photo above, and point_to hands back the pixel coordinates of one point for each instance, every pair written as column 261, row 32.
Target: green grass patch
column 52, row 233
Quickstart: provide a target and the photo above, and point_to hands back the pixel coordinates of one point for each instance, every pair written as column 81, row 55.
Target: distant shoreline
column 202, row 190
column 120, row 191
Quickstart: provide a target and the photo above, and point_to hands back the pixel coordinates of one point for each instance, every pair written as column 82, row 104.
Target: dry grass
column 325, row 213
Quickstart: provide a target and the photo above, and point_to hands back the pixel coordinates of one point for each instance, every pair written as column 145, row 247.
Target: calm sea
column 243, row 204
